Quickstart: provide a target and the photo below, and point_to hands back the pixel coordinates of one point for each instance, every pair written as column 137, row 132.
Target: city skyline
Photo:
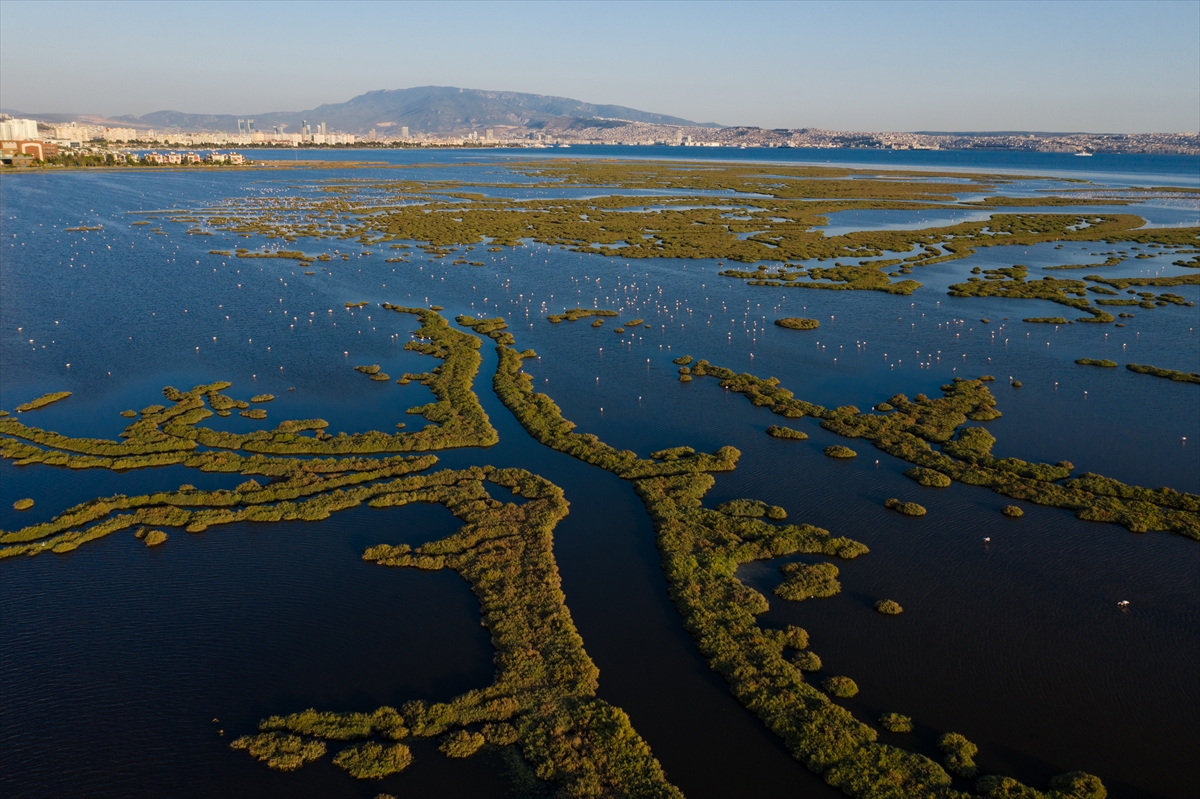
column 1062, row 67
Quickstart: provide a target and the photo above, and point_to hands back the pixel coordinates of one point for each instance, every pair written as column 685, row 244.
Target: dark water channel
column 115, row 660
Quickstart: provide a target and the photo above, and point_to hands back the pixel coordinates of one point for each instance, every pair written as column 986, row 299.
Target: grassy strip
column 574, row 314
column 42, row 401
column 1126, row 282
column 1170, row 374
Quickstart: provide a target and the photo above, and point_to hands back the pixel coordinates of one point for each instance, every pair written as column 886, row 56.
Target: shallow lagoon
column 1017, row 643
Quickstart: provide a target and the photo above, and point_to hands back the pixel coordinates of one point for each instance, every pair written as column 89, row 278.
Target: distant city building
column 19, row 129
column 118, row 134
column 404, row 132
column 37, row 149
column 489, row 134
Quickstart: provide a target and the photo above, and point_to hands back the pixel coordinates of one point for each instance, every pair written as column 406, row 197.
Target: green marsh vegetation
column 24, row 503
column 575, row 314
column 841, row 687
column 895, row 722
column 42, row 401
column 780, row 221
column 906, row 508
column 153, row 538
column 701, row 549
column 1012, row 511
column 888, row 607
column 280, row 752
column 461, row 743
column 838, row 451
column 373, row 761
column 1097, row 362
column 912, row 429
column 780, row 431
column 958, row 754
column 1010, row 283
column 804, row 581
column 928, row 477
column 798, row 323
column 1169, row 374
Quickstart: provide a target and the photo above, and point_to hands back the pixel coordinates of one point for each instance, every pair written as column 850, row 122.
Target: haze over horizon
column 857, row 66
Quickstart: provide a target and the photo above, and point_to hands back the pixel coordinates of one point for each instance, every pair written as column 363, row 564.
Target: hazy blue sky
column 1094, row 66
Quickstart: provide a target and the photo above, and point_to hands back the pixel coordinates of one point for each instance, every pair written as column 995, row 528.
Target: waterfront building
column 19, row 129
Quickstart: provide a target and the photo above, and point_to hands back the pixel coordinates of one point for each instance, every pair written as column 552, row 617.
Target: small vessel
column 1084, row 153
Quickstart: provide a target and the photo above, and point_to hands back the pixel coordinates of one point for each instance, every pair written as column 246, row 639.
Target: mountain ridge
column 422, row 109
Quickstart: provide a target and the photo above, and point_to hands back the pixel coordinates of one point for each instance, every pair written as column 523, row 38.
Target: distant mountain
column 424, row 109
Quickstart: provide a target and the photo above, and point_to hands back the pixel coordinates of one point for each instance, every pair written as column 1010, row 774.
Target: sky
column 1107, row 67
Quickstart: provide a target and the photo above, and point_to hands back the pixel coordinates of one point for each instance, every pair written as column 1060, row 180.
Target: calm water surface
column 126, row 671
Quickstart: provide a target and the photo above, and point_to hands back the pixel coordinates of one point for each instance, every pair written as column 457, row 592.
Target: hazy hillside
column 424, row 109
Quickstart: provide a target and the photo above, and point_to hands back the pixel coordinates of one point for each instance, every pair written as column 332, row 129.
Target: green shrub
column 795, row 637
column 806, row 661
column 841, row 687
column 461, row 743
column 1077, row 785
column 373, row 761
column 1097, row 362
column 24, row 503
column 154, row 538
column 1013, row 511
column 779, row 431
column 501, row 734
column 895, row 722
column 743, row 507
column 889, row 607
column 280, row 751
column 959, row 753
column 928, row 477
column 838, row 451
column 803, row 581
column 907, row 508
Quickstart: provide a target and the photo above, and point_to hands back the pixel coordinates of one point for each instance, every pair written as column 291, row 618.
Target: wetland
column 411, row 531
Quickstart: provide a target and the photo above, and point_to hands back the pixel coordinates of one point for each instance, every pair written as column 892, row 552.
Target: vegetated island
column 798, row 323
column 1169, row 374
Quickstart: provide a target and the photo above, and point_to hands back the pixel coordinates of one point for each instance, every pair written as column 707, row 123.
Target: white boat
column 1084, row 153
